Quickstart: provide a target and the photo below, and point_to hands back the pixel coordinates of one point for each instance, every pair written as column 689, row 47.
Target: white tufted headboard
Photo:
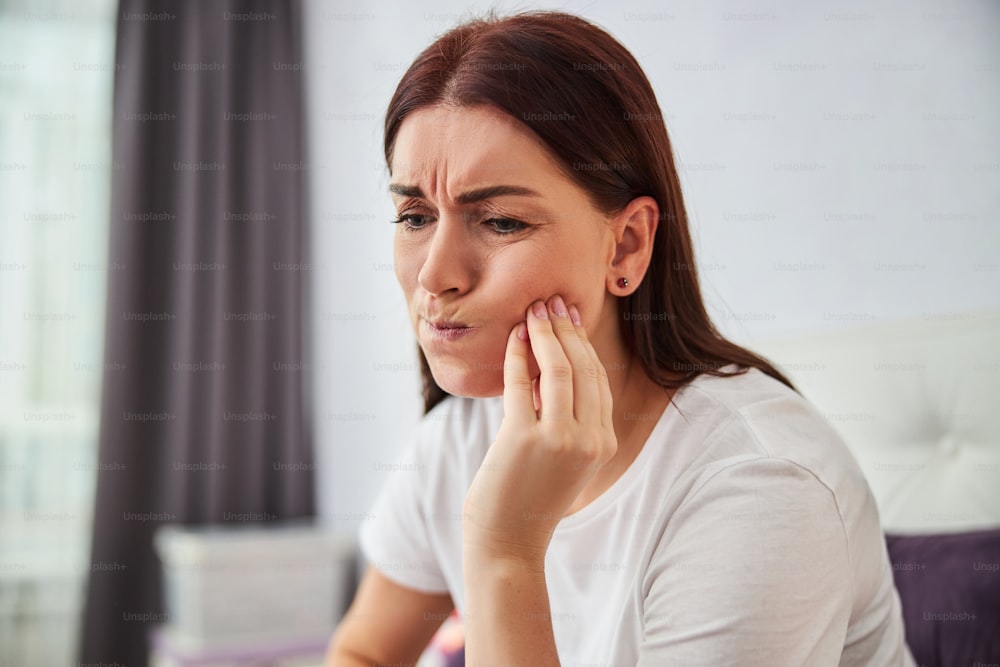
column 918, row 402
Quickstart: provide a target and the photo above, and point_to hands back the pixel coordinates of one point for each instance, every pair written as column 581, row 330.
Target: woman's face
column 488, row 225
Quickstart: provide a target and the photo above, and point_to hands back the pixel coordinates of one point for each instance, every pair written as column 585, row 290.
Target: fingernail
column 558, row 307
column 574, row 315
column 538, row 308
column 522, row 331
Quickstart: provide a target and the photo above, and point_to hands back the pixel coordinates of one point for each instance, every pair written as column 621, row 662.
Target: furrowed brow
column 482, row 194
column 470, row 197
column 406, row 190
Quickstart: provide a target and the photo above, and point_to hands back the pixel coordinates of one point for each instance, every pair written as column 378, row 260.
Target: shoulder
column 755, row 450
column 768, row 517
column 749, row 440
column 753, row 417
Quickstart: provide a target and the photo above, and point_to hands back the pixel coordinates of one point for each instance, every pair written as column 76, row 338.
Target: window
column 56, row 76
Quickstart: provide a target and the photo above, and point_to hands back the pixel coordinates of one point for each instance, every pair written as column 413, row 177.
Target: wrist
column 524, row 542
column 511, row 561
column 524, row 547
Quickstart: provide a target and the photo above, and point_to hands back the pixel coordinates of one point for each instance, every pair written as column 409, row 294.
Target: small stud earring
column 623, row 282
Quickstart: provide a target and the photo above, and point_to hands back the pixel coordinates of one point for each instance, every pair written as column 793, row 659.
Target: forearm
column 508, row 619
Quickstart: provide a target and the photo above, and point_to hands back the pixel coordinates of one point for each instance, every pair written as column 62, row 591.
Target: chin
column 469, row 380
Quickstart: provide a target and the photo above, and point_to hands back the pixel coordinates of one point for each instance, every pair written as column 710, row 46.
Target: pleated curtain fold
column 204, row 417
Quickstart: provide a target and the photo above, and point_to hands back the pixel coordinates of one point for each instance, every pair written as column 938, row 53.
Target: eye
column 503, row 226
column 412, row 221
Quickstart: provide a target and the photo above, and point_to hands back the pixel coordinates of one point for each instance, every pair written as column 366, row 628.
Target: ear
column 634, row 229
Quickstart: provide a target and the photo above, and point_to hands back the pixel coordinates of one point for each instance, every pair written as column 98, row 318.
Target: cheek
column 576, row 285
column 406, row 266
column 539, row 276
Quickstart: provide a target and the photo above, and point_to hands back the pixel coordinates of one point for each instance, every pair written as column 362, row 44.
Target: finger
column 518, row 404
column 603, row 385
column 555, row 381
column 586, row 390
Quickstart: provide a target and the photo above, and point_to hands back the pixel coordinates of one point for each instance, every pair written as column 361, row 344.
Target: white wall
column 840, row 165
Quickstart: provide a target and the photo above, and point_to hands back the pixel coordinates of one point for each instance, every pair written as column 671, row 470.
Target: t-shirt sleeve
column 753, row 569
column 396, row 539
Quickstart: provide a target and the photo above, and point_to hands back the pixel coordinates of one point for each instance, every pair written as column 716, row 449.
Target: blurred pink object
column 447, row 648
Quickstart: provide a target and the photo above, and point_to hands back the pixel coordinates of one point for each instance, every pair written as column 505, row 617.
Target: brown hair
column 585, row 96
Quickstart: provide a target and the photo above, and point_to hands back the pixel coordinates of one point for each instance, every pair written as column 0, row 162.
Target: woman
column 600, row 478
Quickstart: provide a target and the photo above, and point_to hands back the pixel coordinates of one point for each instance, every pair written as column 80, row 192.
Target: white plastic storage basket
column 224, row 585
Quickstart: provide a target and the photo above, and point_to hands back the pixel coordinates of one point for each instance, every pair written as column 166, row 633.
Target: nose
column 448, row 265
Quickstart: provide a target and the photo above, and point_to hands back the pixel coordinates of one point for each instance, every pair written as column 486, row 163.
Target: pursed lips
column 447, row 329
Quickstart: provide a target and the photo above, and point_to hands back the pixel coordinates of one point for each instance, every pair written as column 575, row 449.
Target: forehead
column 466, row 146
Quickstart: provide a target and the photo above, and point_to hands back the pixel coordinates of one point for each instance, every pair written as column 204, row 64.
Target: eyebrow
column 470, row 197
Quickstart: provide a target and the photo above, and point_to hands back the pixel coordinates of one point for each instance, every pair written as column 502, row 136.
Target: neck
column 638, row 401
column 638, row 404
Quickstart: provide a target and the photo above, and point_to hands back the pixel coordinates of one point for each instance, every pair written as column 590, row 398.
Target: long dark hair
column 585, row 96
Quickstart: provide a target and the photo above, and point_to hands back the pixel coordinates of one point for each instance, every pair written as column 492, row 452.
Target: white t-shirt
column 744, row 533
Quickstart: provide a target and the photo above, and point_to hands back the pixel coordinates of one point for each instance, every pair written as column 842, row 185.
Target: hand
column 549, row 445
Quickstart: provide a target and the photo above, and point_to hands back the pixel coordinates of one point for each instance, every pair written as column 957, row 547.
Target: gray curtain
column 203, row 415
